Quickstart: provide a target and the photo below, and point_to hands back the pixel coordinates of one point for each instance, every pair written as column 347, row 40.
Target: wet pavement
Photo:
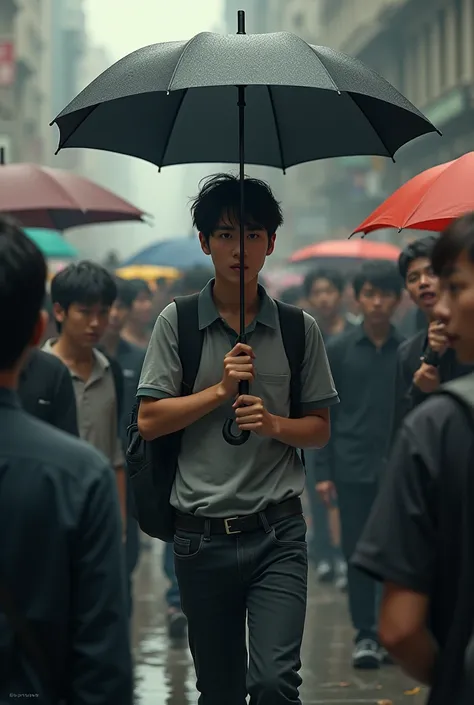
column 165, row 675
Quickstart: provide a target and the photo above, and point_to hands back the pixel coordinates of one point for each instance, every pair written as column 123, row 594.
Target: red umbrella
column 40, row 197
column 429, row 201
column 347, row 249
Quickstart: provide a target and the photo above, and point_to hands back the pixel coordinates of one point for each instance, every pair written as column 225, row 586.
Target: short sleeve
column 399, row 541
column 317, row 385
column 162, row 372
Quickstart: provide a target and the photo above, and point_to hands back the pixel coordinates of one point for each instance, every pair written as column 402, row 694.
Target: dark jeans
column 355, row 504
column 172, row 596
column 261, row 577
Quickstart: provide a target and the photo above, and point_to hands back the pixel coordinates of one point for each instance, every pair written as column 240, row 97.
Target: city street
column 164, row 673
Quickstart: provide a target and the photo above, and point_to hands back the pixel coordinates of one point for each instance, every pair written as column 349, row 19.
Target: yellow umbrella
column 148, row 272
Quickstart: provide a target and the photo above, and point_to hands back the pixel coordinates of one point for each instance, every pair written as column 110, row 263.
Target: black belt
column 242, row 524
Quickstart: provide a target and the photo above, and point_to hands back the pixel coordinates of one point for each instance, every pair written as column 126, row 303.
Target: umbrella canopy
column 176, row 103
column 148, row 272
column 40, row 197
column 182, row 253
column 51, row 244
column 429, row 201
column 348, row 250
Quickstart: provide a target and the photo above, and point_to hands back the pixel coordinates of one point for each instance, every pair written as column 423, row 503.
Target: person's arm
column 101, row 665
column 162, row 409
column 403, row 631
column 402, row 404
column 64, row 411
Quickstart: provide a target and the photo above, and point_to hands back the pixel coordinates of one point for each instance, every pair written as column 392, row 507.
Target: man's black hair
column 23, row 274
column 418, row 249
column 456, row 239
column 381, row 275
column 219, row 197
column 125, row 292
column 292, row 295
column 140, row 286
column 332, row 275
column 85, row 283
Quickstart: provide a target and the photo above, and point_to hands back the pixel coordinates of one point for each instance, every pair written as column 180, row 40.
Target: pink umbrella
column 40, row 197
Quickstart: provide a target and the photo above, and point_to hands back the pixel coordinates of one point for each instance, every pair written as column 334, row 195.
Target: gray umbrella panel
column 176, row 103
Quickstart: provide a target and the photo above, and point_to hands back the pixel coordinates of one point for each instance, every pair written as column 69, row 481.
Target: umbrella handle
column 242, row 436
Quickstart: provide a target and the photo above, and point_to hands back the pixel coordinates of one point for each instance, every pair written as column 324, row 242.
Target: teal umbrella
column 51, row 243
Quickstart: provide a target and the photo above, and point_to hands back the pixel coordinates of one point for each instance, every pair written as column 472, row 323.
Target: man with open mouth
column 426, row 360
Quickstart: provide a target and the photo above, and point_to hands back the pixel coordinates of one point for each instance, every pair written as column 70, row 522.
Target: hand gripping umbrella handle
column 242, row 436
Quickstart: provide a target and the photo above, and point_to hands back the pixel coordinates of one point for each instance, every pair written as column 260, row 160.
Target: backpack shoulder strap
column 190, row 339
column 294, row 341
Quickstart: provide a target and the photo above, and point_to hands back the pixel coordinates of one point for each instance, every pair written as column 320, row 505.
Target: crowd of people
column 387, row 459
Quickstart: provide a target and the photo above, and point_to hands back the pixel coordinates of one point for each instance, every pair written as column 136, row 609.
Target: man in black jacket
column 426, row 360
column 64, row 633
column 45, row 390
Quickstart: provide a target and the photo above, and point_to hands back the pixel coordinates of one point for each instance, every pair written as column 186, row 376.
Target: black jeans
column 261, row 577
column 355, row 504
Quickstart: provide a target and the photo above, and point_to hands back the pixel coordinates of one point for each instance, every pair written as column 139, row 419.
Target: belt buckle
column 228, row 528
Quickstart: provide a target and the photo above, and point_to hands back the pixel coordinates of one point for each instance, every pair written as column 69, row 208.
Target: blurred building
column 67, row 36
column 21, row 96
column 425, row 48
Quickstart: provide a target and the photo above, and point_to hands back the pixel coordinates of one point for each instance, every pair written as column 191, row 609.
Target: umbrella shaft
column 241, row 104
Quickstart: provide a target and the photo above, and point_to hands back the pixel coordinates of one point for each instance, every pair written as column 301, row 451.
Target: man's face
column 118, row 316
column 83, row 324
column 422, row 285
column 142, row 309
column 324, row 298
column 455, row 308
column 224, row 248
column 376, row 305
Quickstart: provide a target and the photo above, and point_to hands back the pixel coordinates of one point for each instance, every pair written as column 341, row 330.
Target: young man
column 82, row 295
column 363, row 362
column 138, row 325
column 240, row 549
column 416, row 375
column 415, row 540
column 62, row 565
column 324, row 290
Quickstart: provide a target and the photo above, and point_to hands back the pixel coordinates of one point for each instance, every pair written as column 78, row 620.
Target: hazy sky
column 122, row 26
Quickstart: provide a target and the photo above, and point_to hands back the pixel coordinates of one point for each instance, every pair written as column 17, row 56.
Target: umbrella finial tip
column 240, row 21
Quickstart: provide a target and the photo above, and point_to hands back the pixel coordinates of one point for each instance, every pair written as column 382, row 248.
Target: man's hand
column 437, row 339
column 251, row 415
column 327, row 492
column 427, row 378
column 238, row 367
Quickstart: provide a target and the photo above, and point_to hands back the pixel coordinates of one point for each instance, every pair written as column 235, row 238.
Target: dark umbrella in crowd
column 56, row 199
column 175, row 103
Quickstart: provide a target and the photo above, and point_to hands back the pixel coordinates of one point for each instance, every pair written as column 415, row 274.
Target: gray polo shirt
column 97, row 408
column 215, row 479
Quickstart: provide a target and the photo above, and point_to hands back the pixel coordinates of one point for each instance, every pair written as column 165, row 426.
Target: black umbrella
column 174, row 103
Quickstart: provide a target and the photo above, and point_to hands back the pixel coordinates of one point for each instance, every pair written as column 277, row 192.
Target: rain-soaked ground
column 164, row 671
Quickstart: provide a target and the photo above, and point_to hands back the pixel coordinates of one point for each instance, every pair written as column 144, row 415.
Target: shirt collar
column 360, row 334
column 208, row 313
column 101, row 361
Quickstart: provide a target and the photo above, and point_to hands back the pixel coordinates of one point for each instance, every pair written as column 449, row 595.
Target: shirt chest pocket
column 43, row 409
column 274, row 389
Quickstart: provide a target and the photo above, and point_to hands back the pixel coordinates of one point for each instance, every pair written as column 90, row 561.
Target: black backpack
column 152, row 465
